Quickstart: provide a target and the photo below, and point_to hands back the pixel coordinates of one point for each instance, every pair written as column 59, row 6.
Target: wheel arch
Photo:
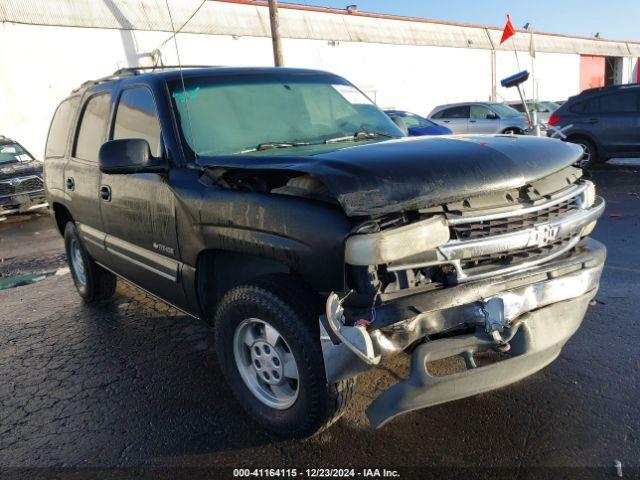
column 517, row 130
column 62, row 216
column 218, row 271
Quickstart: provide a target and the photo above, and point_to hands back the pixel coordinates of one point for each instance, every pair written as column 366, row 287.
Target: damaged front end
column 511, row 273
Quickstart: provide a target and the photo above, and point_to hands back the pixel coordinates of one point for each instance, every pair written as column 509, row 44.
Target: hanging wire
column 184, row 89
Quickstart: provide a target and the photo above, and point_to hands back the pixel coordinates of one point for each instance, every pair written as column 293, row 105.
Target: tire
column 590, row 156
column 93, row 282
column 310, row 405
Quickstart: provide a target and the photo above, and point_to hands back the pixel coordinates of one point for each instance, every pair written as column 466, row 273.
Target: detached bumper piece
column 535, row 340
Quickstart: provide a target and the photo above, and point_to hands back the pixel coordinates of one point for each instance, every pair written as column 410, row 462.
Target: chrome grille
column 20, row 186
column 498, row 226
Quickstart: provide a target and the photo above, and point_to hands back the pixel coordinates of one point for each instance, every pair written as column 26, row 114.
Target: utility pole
column 275, row 33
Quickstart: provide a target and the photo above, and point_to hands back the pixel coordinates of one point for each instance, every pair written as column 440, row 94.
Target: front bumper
column 540, row 309
column 22, row 203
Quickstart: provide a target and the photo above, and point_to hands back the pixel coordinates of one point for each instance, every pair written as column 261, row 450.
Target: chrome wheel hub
column 77, row 262
column 265, row 363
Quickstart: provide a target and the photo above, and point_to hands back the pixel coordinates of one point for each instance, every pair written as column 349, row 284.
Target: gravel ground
column 132, row 384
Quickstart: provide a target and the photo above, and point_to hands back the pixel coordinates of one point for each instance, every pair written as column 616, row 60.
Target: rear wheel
column 93, row 282
column 590, row 153
column 268, row 346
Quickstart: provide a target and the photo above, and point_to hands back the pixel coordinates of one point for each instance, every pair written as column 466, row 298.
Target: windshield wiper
column 359, row 135
column 271, row 145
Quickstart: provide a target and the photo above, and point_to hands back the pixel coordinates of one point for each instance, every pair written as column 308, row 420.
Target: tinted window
column 456, row 112
column 93, row 127
column 60, row 125
column 481, row 113
column 136, row 117
column 438, row 114
column 624, row 102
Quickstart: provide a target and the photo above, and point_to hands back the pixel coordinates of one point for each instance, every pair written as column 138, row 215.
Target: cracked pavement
column 134, row 383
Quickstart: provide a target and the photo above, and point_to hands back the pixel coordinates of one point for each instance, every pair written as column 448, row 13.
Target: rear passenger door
column 138, row 209
column 614, row 120
column 456, row 118
column 82, row 172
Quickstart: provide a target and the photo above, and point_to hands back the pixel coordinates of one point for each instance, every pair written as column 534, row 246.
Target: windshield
column 12, row 152
column 242, row 114
column 505, row 111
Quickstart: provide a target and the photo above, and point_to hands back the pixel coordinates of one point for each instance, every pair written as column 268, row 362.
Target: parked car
column 605, row 122
column 21, row 187
column 416, row 125
column 543, row 108
column 479, row 117
column 288, row 210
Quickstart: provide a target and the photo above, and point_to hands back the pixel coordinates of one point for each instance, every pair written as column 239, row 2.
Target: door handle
column 71, row 184
column 446, row 121
column 472, row 121
column 105, row 193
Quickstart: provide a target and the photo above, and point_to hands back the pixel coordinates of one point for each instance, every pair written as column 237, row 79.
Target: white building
column 49, row 47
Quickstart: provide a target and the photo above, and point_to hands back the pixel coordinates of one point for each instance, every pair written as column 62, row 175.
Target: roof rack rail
column 611, row 87
column 131, row 71
column 134, row 70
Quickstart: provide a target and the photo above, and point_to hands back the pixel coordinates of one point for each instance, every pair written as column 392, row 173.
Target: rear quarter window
column 60, row 128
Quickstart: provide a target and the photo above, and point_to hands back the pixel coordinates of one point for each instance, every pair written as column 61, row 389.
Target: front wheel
column 268, row 346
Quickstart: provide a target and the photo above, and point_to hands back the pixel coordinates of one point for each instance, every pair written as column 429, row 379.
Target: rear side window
column 623, row 102
column 136, row 117
column 93, row 127
column 456, row 112
column 60, row 126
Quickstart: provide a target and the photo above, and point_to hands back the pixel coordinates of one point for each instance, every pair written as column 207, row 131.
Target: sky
column 614, row 19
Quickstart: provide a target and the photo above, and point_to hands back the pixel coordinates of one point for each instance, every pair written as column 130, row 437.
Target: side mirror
column 492, row 116
column 130, row 155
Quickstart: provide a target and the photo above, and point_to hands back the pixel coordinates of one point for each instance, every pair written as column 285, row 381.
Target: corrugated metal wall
column 251, row 19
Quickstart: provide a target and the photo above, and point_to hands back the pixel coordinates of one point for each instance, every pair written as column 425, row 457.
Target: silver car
column 480, row 117
column 543, row 108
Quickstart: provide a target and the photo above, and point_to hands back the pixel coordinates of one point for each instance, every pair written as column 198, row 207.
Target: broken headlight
column 397, row 243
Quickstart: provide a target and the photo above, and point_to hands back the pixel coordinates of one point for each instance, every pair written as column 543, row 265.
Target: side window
column 93, row 127
column 456, row 112
column 578, row 107
column 440, row 114
column 478, row 112
column 136, row 117
column 623, row 102
column 60, row 126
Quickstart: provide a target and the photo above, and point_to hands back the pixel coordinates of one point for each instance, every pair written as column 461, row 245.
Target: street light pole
column 275, row 33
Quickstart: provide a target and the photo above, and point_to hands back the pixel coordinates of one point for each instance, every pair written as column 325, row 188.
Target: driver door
column 483, row 120
column 138, row 209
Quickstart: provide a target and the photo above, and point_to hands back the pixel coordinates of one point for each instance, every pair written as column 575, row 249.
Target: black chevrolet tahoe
column 286, row 209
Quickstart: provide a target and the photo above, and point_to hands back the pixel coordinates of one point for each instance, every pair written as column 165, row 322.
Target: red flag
column 509, row 31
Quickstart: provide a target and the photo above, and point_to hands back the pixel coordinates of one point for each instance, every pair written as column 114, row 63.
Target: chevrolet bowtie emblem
column 543, row 235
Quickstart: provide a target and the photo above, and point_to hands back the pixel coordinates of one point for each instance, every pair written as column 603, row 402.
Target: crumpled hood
column 20, row 169
column 408, row 173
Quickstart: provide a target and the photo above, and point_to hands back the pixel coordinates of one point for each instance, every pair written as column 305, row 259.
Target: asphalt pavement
column 134, row 384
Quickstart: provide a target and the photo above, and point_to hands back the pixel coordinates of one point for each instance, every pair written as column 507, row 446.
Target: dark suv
column 605, row 122
column 21, row 187
column 285, row 208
